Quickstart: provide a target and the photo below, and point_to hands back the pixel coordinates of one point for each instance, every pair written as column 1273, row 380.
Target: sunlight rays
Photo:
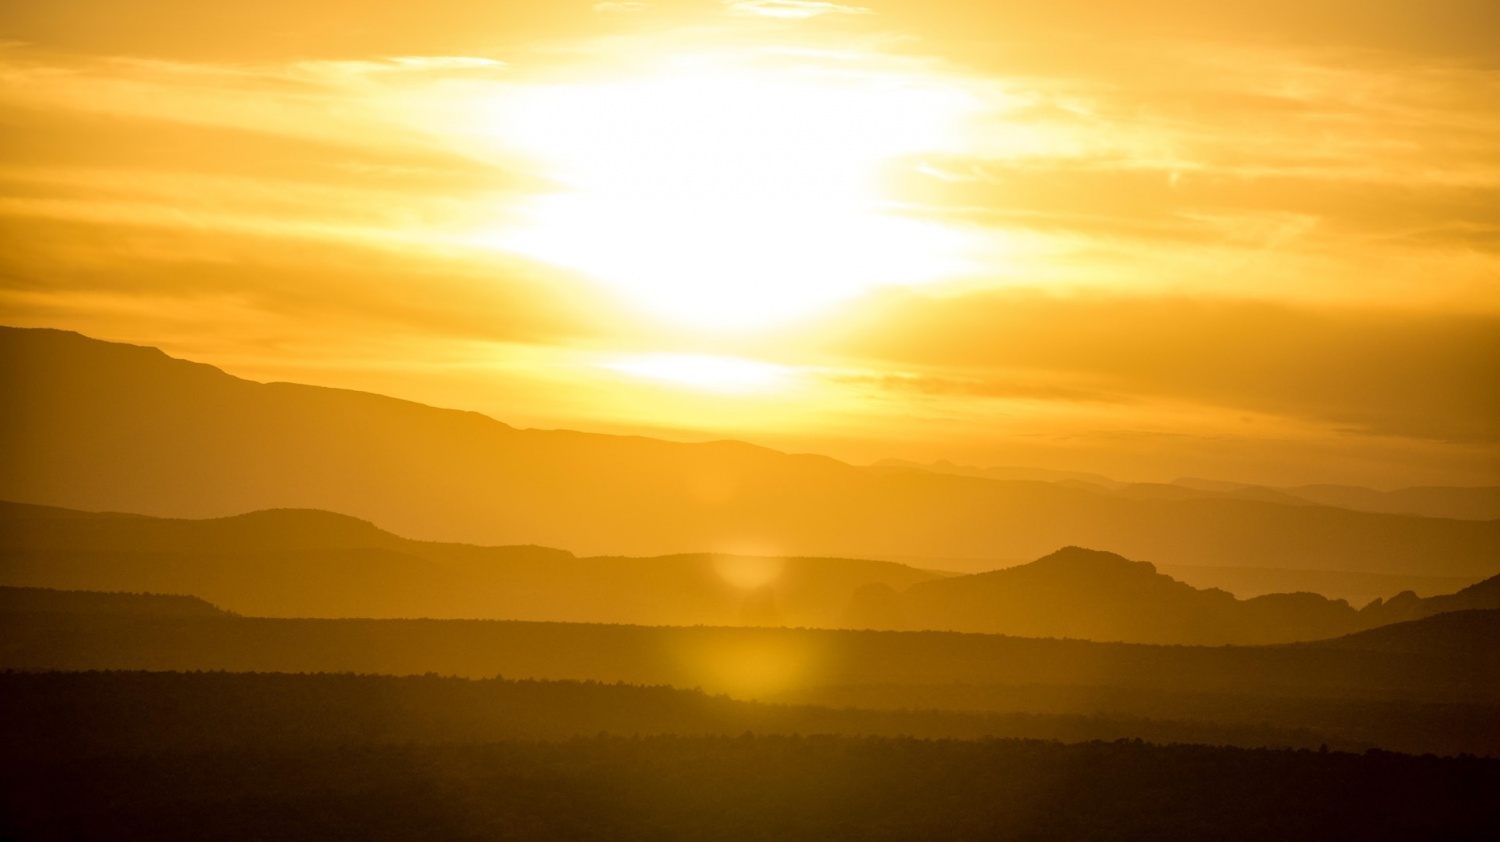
column 816, row 224
column 704, row 372
column 728, row 196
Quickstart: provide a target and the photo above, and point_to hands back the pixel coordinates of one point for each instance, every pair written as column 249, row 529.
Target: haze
column 749, row 419
column 1255, row 243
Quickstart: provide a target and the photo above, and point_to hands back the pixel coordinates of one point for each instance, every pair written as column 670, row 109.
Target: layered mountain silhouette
column 1094, row 595
column 1468, row 503
column 1446, row 657
column 104, row 426
column 1426, row 685
column 1355, row 587
column 1479, row 503
column 302, row 563
column 94, row 603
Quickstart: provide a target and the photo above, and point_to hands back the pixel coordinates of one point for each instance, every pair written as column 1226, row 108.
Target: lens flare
column 748, row 573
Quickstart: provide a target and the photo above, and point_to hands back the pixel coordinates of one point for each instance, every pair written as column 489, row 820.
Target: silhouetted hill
column 289, row 563
column 1475, row 503
column 1092, row 595
column 31, row 527
column 1441, row 696
column 1473, row 631
column 1470, row 503
column 748, row 662
column 1464, row 503
column 298, row 563
column 1481, row 596
column 46, row 600
column 1356, row 588
column 102, row 426
column 943, row 466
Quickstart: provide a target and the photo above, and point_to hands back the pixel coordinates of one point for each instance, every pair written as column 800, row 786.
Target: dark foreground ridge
column 97, row 713
column 1432, row 685
column 751, row 788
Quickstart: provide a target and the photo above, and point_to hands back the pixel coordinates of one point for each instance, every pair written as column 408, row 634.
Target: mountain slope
column 93, row 603
column 298, row 563
column 1094, row 595
column 1472, row 632
column 291, row 563
column 1480, row 596
column 1469, row 503
column 1461, row 503
column 756, row 662
column 102, row 426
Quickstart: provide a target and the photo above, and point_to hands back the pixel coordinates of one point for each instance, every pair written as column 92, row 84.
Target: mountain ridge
column 290, row 562
column 1456, row 502
column 295, row 563
column 1095, row 595
column 95, row 425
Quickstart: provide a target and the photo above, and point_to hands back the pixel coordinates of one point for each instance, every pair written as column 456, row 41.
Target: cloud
column 270, row 199
column 1020, row 385
column 445, row 62
column 272, row 170
column 1372, row 371
column 235, row 31
column 303, row 281
column 791, row 9
column 1453, row 30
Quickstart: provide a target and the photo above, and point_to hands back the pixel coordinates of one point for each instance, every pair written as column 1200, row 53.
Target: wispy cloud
column 445, row 62
column 1376, row 371
column 1299, row 225
column 792, row 9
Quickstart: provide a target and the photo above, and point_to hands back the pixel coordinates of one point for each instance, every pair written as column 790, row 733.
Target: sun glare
column 704, row 372
column 726, row 197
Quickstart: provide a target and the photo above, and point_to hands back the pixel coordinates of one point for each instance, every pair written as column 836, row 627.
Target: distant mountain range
column 1093, row 595
column 304, row 563
column 103, row 426
column 1481, row 503
column 299, row 563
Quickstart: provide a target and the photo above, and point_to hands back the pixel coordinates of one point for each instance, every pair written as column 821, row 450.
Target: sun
column 724, row 195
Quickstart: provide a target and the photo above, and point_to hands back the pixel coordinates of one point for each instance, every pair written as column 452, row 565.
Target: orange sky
column 1257, row 243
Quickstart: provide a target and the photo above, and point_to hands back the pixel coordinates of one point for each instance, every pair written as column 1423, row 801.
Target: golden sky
column 1254, row 241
